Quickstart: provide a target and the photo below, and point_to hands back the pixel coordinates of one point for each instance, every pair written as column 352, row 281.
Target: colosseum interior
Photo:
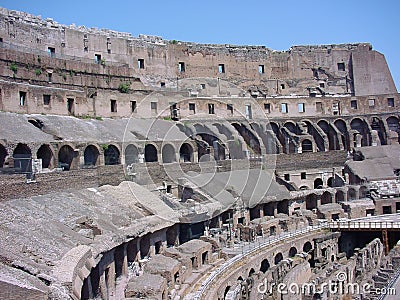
column 141, row 168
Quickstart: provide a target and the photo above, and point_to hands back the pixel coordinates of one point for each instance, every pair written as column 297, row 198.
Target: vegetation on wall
column 13, row 67
column 124, row 87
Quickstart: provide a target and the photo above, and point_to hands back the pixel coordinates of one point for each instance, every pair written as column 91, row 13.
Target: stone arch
column 207, row 142
column 307, row 247
column 292, row 251
column 330, row 182
column 318, row 183
column 131, row 154
column 150, row 153
column 186, row 153
column 3, row 155
column 304, row 187
column 331, row 134
column 394, row 127
column 351, row 194
column 379, row 127
column 264, row 265
column 291, row 126
column 46, row 155
column 339, row 196
column 315, row 132
column 359, row 126
column 22, row 158
column 91, row 156
column 251, row 140
column 306, row 146
column 66, row 155
column 168, row 153
column 326, row 198
column 111, row 155
column 342, row 127
column 278, row 258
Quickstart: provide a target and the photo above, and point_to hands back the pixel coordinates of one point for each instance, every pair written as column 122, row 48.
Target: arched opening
column 264, row 265
column 394, row 127
column 46, row 155
column 307, row 247
column 363, row 192
column 339, row 197
column 91, row 156
column 326, row 198
column 22, row 156
column 378, row 126
column 318, row 183
column 342, row 127
column 306, row 146
column 3, row 155
column 168, row 154
column 111, row 155
column 292, row 251
column 150, row 153
column 251, row 272
column 283, row 207
column 226, row 291
column 292, row 127
column 278, row 258
column 251, row 140
column 207, row 143
column 311, row 202
column 351, row 194
column 65, row 157
column 186, row 153
column 331, row 135
column 240, row 278
column 362, row 137
column 304, row 188
column 131, row 154
column 330, row 182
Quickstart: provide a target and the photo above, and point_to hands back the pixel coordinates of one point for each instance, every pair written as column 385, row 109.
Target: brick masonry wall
column 15, row 186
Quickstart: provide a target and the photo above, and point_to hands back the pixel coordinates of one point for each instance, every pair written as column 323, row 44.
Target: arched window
column 46, row 155
column 111, row 155
column 91, row 155
column 150, row 153
column 65, row 157
column 168, row 154
column 131, row 154
column 186, row 153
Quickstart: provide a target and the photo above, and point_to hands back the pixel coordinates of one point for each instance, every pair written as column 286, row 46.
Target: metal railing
column 364, row 225
column 251, row 249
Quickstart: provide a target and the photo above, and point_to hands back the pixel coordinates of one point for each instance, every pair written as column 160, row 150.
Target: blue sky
column 274, row 24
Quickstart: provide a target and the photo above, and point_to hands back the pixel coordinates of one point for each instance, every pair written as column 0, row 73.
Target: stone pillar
column 275, row 209
column 261, row 208
column 103, row 285
column 138, row 254
column 125, row 262
column 111, row 279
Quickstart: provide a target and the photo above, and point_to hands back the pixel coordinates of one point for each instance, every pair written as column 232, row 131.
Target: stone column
column 125, row 262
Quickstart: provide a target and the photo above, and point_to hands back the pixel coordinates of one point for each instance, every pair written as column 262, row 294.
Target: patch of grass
column 13, row 67
column 124, row 87
column 38, row 72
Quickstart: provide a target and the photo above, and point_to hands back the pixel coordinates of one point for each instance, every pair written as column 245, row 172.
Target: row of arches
column 327, row 135
column 68, row 158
